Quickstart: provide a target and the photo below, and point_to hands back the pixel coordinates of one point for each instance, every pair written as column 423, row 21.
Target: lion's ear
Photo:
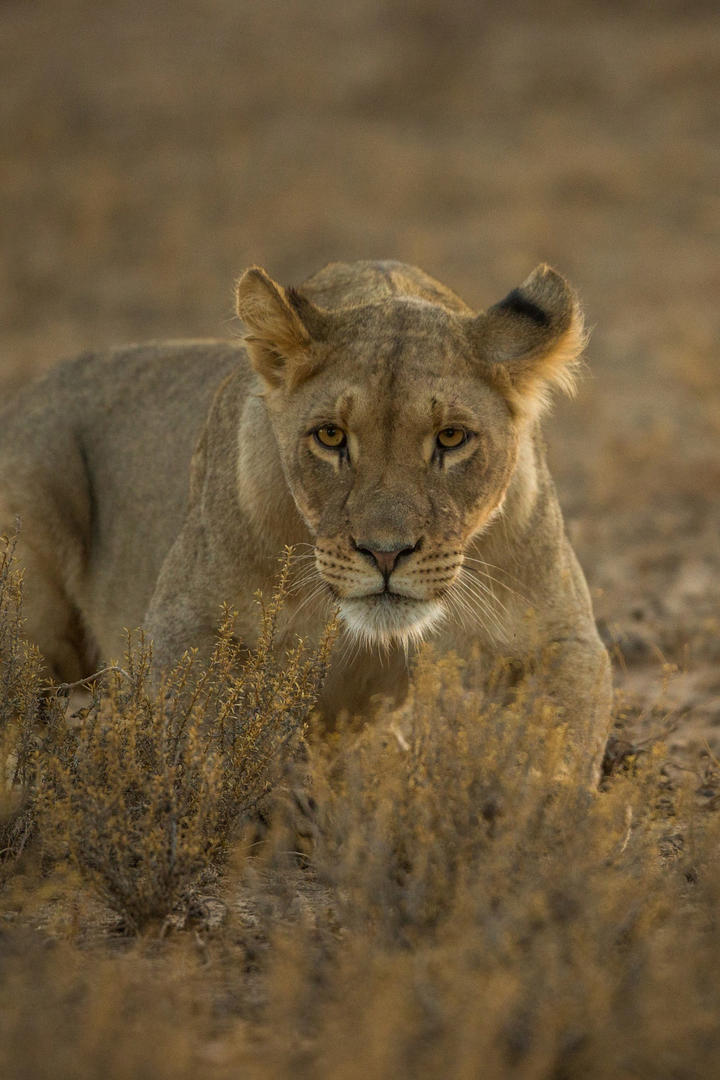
column 282, row 328
column 532, row 340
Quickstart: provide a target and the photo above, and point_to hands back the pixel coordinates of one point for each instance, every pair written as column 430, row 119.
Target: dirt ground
column 151, row 151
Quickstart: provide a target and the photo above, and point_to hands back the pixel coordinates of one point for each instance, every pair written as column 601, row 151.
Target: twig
column 62, row 687
column 629, row 821
column 710, row 754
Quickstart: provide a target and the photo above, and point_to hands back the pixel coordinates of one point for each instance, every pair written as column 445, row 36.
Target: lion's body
column 155, row 483
column 94, row 461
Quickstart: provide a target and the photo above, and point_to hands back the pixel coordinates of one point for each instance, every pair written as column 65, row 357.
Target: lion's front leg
column 572, row 681
column 184, row 612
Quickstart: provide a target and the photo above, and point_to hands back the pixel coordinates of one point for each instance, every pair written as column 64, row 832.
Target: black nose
column 386, row 559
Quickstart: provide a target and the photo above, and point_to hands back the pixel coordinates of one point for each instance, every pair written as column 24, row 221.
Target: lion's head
column 398, row 424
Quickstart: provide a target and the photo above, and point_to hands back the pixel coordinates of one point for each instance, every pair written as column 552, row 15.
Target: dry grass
column 144, row 789
column 21, row 712
column 453, row 916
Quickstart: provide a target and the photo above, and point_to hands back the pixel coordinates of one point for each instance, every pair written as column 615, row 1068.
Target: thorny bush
column 143, row 787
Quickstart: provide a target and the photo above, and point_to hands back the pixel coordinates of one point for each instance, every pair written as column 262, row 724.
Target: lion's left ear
column 532, row 340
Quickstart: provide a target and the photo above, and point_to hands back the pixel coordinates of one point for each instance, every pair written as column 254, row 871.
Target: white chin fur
column 378, row 620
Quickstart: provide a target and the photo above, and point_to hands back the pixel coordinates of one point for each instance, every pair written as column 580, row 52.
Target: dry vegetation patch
column 452, row 915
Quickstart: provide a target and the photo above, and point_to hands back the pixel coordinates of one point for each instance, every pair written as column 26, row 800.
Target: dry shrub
column 487, row 923
column 134, row 797
column 413, row 807
column 66, row 1015
column 458, row 915
column 143, row 787
column 147, row 791
column 21, row 709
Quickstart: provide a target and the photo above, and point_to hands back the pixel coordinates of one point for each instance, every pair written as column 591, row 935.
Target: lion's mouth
column 389, row 596
column 387, row 618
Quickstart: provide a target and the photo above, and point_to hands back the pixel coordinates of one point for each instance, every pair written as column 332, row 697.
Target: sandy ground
column 150, row 152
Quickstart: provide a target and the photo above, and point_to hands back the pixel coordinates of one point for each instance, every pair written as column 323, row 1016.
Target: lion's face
column 396, row 457
column 396, row 444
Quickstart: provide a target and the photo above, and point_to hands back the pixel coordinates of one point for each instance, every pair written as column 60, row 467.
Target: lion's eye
column 330, row 436
column 451, row 437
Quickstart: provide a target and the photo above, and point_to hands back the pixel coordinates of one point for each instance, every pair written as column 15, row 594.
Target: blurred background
column 152, row 151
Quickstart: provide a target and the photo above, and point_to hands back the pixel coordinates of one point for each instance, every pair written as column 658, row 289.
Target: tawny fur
column 155, row 483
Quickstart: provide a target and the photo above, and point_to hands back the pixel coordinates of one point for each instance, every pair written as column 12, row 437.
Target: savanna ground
column 448, row 918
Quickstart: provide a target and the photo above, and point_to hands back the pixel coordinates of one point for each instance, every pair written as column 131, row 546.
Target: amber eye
column 330, row 436
column 451, row 437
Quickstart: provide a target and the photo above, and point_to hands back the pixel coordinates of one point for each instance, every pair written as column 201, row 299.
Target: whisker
column 310, row 575
column 491, row 566
column 307, row 571
column 464, row 610
column 480, row 601
column 490, row 577
column 456, row 608
column 483, row 605
column 319, row 589
column 479, row 589
column 307, row 574
column 350, row 649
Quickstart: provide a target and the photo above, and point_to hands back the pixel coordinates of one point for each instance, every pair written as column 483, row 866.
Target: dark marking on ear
column 519, row 304
column 531, row 340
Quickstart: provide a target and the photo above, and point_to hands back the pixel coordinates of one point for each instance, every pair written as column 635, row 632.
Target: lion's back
column 95, row 457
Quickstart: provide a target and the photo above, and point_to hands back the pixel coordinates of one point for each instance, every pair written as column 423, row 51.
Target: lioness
column 371, row 416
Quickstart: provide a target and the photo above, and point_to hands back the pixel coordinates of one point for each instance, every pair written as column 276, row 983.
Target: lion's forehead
column 402, row 361
column 398, row 332
column 412, row 399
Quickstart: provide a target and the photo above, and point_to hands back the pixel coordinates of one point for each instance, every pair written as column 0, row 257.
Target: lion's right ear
column 531, row 341
column 280, row 324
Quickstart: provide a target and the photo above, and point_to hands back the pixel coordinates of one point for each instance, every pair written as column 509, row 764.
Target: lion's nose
column 386, row 559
